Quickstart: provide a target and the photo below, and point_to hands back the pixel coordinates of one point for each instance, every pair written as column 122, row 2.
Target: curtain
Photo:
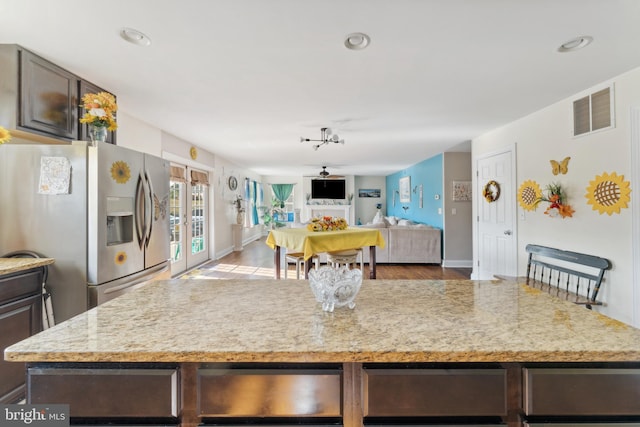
column 177, row 174
column 198, row 177
column 282, row 192
column 248, row 222
column 259, row 201
column 254, row 207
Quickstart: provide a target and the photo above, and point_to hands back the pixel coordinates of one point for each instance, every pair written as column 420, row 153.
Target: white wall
column 457, row 236
column 365, row 207
column 546, row 135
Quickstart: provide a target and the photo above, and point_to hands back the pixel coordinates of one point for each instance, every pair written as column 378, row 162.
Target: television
column 328, row 189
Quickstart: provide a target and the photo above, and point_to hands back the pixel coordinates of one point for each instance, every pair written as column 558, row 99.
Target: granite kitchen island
column 262, row 351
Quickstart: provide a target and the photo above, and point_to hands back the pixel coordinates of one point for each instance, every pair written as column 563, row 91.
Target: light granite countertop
column 14, row 265
column 199, row 320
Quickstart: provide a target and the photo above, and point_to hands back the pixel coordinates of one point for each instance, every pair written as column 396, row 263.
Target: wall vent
column 594, row 112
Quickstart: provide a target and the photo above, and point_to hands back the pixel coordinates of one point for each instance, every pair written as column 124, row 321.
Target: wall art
column 405, row 189
column 369, row 192
column 529, row 195
column 608, row 193
column 461, row 191
column 560, row 166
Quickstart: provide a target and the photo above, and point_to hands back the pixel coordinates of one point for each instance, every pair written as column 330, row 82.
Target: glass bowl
column 335, row 287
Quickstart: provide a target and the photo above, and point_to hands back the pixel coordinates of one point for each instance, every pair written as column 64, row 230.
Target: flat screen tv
column 328, row 189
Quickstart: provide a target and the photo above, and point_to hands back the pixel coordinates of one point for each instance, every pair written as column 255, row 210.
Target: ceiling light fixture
column 325, row 138
column 135, row 37
column 357, row 41
column 575, row 44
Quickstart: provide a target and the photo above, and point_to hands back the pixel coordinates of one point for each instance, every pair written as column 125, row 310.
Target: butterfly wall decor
column 560, row 167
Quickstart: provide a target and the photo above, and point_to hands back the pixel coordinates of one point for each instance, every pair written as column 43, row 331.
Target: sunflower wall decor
column 608, row 193
column 120, row 172
column 529, row 194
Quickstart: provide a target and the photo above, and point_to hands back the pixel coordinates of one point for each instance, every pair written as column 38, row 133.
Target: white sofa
column 408, row 243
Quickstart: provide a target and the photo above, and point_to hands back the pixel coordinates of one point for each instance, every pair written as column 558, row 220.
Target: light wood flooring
column 255, row 261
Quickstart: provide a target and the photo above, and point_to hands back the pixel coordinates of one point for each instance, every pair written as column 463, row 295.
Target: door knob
column 507, row 232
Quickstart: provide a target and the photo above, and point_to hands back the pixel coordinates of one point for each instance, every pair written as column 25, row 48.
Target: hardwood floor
column 255, row 261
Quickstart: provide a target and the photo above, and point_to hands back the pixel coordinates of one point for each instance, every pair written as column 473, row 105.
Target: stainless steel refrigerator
column 101, row 211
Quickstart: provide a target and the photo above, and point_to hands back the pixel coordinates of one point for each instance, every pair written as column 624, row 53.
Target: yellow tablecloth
column 315, row 242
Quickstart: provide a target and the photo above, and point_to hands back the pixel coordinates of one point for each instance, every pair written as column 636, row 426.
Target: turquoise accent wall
column 429, row 173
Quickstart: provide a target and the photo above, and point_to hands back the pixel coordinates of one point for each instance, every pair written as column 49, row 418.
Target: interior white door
column 497, row 240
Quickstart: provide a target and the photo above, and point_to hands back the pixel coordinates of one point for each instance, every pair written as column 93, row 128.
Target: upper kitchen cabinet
column 83, row 132
column 38, row 99
column 48, row 97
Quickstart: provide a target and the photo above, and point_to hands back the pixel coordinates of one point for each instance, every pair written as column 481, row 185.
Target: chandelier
column 325, row 138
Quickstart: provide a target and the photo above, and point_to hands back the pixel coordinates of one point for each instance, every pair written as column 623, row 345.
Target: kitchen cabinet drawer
column 584, row 424
column 20, row 285
column 269, row 392
column 105, row 392
column 581, row 391
column 434, row 392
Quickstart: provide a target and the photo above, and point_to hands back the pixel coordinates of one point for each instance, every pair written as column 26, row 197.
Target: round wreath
column 491, row 191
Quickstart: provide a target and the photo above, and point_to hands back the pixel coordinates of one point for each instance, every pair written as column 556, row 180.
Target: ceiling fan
column 326, row 175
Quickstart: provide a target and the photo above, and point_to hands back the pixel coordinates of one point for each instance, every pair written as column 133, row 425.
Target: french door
column 188, row 218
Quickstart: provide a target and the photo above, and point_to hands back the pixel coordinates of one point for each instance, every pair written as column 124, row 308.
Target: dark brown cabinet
column 40, row 100
column 20, row 317
column 48, row 97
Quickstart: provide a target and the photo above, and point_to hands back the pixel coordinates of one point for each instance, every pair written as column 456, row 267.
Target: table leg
column 276, row 261
column 372, row 262
column 307, row 267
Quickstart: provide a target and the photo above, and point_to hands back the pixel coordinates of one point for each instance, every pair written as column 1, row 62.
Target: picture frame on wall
column 461, row 191
column 369, row 192
column 405, row 189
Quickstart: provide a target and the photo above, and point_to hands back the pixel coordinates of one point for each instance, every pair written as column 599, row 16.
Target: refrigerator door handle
column 140, row 211
column 149, row 212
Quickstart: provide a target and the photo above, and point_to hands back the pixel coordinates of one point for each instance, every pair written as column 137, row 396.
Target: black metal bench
column 569, row 275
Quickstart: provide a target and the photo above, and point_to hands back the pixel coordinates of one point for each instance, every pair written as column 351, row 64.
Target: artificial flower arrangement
column 327, row 223
column 5, row 136
column 557, row 200
column 100, row 110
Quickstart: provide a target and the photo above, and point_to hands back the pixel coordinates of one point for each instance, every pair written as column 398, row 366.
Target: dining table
column 310, row 243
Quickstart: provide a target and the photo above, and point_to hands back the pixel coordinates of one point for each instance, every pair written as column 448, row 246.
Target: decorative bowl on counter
column 335, row 287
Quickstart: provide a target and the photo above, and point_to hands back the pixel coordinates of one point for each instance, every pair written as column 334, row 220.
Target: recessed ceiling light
column 135, row 37
column 357, row 41
column 575, row 44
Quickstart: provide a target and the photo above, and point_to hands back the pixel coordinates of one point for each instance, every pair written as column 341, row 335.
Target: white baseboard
column 457, row 263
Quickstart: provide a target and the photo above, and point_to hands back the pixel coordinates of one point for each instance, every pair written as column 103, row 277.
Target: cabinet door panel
column 582, row 391
column 435, row 392
column 18, row 320
column 269, row 393
column 48, row 97
column 137, row 393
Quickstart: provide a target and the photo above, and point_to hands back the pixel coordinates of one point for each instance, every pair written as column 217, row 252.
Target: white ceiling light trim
column 357, row 41
column 575, row 44
column 134, row 36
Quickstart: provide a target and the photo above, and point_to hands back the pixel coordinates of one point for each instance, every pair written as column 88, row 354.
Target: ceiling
column 245, row 79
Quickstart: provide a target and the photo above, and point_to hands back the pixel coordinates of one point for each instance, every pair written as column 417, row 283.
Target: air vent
column 594, row 112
